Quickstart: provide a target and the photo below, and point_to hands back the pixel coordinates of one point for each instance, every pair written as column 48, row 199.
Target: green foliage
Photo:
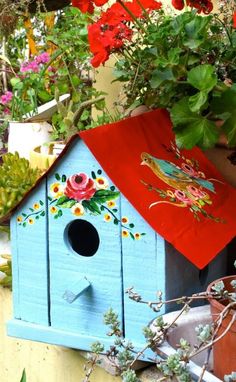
column 129, row 376
column 16, row 179
column 23, row 378
column 182, row 62
column 6, row 269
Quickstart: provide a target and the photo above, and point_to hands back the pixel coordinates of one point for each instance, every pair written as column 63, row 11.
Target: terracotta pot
column 224, row 350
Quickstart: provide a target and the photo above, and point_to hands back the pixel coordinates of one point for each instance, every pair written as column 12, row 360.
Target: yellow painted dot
column 19, row 219
column 53, row 210
column 36, row 206
column 125, row 233
column 107, row 217
column 31, row 221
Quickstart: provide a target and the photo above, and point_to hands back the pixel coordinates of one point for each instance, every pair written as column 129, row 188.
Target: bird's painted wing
column 205, row 183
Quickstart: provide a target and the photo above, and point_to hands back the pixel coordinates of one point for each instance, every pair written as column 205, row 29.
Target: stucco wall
column 43, row 363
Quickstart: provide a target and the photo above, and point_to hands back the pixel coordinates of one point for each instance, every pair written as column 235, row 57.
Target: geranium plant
column 180, row 57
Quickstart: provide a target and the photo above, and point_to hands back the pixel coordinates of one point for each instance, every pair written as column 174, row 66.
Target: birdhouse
column 79, row 241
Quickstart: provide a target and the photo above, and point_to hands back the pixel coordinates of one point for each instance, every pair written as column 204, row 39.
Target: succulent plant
column 16, row 179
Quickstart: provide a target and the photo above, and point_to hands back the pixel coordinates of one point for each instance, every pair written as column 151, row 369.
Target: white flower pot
column 24, row 136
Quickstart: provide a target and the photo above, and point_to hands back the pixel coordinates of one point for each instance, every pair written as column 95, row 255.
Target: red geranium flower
column 178, row 4
column 88, row 5
column 204, row 6
column 234, row 20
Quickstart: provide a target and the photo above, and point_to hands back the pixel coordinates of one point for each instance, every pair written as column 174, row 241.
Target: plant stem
column 134, row 18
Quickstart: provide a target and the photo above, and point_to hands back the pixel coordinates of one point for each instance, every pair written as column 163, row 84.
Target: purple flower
column 42, row 58
column 6, row 98
column 31, row 66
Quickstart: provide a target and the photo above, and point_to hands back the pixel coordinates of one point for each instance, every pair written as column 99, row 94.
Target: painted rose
column 80, row 187
column 196, row 192
column 182, row 197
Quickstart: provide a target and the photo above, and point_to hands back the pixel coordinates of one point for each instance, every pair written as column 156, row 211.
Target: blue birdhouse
column 77, row 245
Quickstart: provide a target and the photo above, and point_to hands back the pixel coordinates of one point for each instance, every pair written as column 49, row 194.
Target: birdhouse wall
column 68, row 268
column 30, row 260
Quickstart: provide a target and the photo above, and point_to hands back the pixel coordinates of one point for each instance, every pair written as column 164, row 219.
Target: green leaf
column 91, row 206
column 68, row 204
column 198, row 101
column 102, row 196
column 57, row 176
column 60, row 213
column 181, row 113
column 41, row 203
column 93, row 175
column 63, row 178
column 44, row 96
column 132, row 236
column 225, row 106
column 62, row 200
column 202, row 77
column 15, row 81
column 202, row 132
column 160, row 76
column 42, row 213
column 23, row 377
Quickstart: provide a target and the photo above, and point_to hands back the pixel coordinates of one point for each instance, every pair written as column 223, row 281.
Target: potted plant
column 181, row 57
column 223, row 311
column 30, row 88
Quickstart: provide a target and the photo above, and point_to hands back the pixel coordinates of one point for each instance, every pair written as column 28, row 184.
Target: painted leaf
column 91, row 206
column 68, row 204
column 102, row 196
column 63, row 199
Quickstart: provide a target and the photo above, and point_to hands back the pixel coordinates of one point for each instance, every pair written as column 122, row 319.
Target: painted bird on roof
column 174, row 176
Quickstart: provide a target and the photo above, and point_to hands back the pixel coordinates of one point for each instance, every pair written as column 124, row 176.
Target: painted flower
column 189, row 170
column 53, row 209
column 31, row 221
column 196, row 192
column 107, row 217
column 36, row 206
column 111, row 204
column 80, row 187
column 19, row 219
column 77, row 209
column 125, row 233
column 101, row 183
column 124, row 220
column 137, row 236
column 182, row 197
column 56, row 190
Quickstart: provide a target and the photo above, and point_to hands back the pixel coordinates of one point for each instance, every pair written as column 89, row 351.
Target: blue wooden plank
column 30, row 262
column 143, row 269
column 103, row 270
column 15, row 266
column 39, row 333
